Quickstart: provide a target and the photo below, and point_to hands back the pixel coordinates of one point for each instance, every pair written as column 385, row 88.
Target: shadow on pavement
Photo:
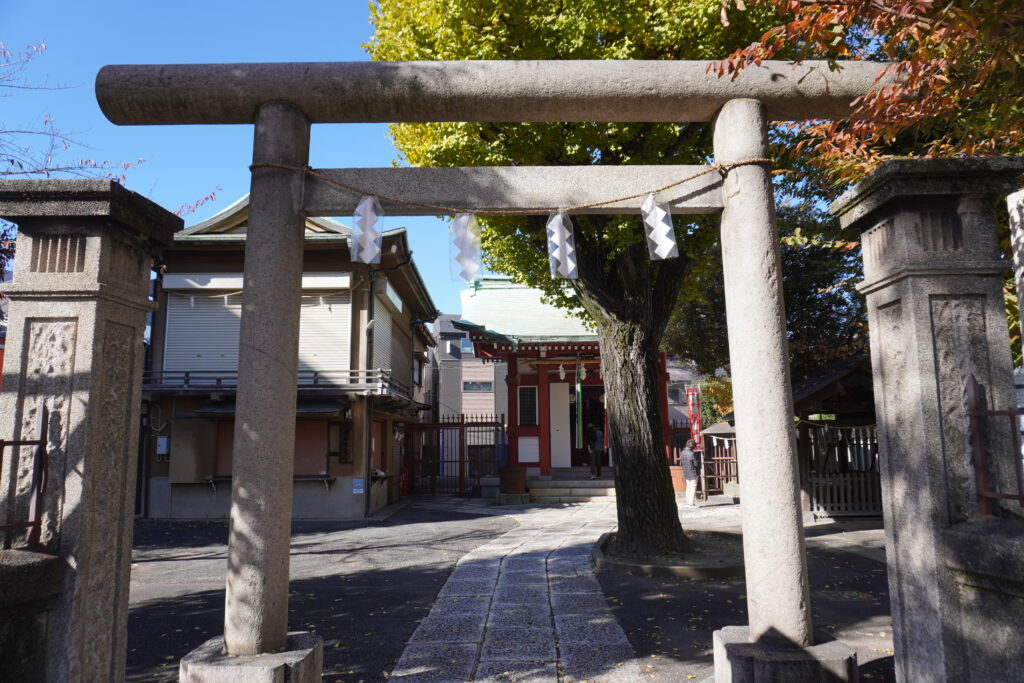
column 364, row 609
column 669, row 622
column 365, row 620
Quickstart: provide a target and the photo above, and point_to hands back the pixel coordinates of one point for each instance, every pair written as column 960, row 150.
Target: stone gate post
column 79, row 300
column 934, row 286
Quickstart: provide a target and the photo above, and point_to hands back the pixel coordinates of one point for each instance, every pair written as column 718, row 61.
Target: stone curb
column 661, row 571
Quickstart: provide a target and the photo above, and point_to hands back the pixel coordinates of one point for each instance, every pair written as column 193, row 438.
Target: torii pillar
column 256, row 645
column 778, row 644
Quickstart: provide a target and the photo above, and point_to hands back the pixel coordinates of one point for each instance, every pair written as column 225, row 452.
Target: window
column 677, row 396
column 417, row 371
column 337, row 442
column 466, row 346
column 486, row 387
column 527, row 406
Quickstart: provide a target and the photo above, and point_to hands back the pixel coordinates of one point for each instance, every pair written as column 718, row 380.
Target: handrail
column 40, row 475
column 978, row 428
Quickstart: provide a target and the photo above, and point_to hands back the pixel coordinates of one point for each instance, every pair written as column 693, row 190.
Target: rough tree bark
column 630, row 300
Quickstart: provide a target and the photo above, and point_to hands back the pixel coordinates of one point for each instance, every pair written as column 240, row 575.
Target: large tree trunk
column 648, row 517
column 631, row 302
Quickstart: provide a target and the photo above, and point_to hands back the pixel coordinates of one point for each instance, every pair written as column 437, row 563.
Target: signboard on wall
column 693, row 412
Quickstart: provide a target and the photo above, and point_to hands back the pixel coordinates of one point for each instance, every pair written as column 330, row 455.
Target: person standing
column 595, row 449
column 691, row 470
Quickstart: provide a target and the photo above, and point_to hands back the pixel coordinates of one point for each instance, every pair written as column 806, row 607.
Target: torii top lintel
column 584, row 90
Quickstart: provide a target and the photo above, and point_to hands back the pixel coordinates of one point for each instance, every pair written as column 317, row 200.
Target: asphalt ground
column 364, row 588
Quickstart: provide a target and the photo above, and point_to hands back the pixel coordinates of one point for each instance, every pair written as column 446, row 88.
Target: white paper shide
column 367, row 235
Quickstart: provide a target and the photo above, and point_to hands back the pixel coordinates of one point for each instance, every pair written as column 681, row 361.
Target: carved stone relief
column 960, row 350
column 58, row 254
column 111, row 464
column 877, row 245
column 938, row 231
column 48, row 376
column 127, row 264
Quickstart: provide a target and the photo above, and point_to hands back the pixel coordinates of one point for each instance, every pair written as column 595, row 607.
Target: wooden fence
column 846, row 494
column 843, row 475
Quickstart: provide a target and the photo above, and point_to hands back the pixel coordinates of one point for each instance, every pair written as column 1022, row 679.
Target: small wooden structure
column 719, row 472
column 837, row 446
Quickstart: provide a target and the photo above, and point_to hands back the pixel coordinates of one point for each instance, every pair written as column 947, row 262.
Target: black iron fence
column 452, row 454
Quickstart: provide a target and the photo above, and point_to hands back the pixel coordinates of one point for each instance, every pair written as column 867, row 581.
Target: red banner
column 693, row 410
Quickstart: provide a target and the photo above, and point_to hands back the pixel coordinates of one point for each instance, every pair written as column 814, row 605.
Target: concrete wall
column 311, row 500
column 500, row 390
column 478, row 402
column 449, row 391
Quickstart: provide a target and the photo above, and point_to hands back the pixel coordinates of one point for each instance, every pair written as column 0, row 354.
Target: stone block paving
column 525, row 607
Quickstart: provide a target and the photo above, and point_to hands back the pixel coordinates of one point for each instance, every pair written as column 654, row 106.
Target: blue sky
column 184, row 163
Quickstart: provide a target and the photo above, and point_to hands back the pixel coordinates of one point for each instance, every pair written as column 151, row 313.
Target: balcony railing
column 365, row 382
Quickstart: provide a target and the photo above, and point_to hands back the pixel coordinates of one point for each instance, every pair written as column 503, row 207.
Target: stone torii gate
column 283, row 100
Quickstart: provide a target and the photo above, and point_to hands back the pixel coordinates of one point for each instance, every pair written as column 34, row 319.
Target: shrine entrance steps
column 572, row 485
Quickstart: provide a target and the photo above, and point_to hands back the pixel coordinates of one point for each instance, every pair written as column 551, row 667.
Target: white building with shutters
column 362, row 346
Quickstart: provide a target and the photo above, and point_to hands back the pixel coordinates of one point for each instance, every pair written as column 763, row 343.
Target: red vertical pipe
column 512, row 384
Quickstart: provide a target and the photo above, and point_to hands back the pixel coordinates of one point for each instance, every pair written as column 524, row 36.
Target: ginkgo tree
column 628, row 297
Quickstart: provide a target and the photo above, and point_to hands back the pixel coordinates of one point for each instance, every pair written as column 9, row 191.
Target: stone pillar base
column 737, row 660
column 302, row 662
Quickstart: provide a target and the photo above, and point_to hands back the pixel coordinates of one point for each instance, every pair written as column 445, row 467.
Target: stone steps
column 589, row 491
column 538, row 498
column 583, row 483
column 563, row 490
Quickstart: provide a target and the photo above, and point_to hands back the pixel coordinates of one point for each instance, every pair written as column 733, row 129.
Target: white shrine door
column 561, row 451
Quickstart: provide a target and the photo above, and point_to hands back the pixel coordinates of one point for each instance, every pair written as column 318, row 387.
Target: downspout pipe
column 368, row 445
column 368, row 432
column 142, row 474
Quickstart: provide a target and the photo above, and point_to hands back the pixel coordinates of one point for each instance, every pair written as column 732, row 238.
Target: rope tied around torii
column 449, row 210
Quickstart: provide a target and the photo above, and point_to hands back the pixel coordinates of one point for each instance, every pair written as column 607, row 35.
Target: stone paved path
column 525, row 607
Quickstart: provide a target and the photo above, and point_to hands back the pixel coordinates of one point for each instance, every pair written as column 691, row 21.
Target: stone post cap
column 902, row 178
column 29, row 202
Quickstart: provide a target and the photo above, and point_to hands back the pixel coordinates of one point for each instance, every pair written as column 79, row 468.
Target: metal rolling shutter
column 324, row 332
column 202, row 332
column 381, row 336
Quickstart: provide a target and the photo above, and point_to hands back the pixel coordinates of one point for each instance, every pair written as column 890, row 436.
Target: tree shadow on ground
column 365, row 620
column 670, row 622
column 163, row 534
column 365, row 615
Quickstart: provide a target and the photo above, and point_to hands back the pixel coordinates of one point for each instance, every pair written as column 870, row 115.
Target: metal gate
column 451, row 455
